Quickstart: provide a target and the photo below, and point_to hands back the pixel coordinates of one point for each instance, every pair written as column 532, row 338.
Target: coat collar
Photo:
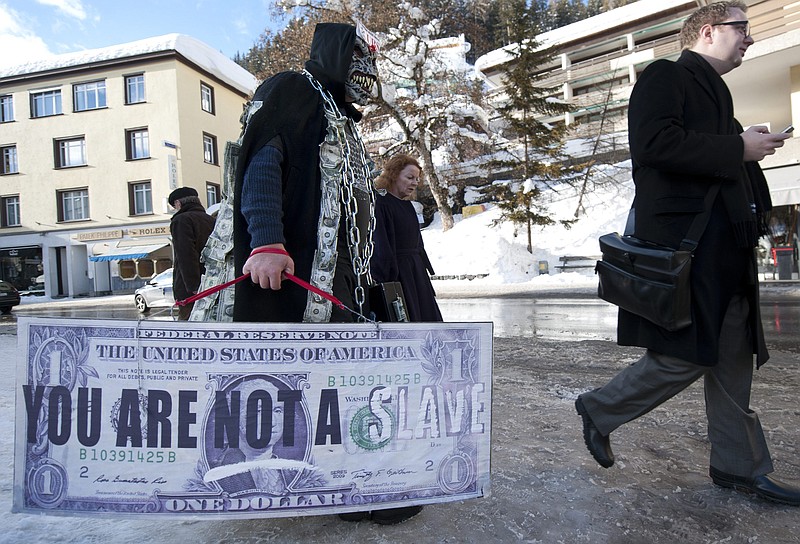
column 711, row 83
column 700, row 69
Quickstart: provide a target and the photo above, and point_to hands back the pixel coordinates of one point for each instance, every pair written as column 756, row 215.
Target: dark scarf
column 761, row 197
column 747, row 198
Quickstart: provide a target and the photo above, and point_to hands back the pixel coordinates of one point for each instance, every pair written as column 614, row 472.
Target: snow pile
column 474, row 246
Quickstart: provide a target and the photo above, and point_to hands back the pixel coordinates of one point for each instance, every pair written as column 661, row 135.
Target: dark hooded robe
column 400, row 256
column 292, row 117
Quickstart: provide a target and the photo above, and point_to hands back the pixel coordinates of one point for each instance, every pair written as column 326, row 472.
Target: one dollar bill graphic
column 249, row 420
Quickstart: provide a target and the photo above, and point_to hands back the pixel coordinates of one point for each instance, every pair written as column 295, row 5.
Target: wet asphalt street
column 570, row 316
column 545, row 486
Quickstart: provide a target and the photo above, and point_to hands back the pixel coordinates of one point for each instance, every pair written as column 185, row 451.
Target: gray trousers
column 737, row 441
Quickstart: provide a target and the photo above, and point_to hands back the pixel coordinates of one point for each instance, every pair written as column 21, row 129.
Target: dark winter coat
column 292, row 110
column 190, row 228
column 399, row 255
column 682, row 145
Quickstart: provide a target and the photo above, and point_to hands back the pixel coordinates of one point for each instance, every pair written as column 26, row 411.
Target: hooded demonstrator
column 303, row 199
column 303, row 185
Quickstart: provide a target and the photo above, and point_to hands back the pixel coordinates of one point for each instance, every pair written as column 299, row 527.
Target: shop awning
column 784, row 185
column 125, row 253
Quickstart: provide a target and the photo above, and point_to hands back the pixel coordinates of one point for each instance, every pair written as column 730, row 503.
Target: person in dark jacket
column 303, row 198
column 399, row 253
column 684, row 143
column 190, row 228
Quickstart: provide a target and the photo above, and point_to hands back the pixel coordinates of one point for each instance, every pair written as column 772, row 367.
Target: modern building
column 93, row 142
column 599, row 59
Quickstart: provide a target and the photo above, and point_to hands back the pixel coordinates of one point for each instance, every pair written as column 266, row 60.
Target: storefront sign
column 98, row 235
column 172, row 171
column 150, row 231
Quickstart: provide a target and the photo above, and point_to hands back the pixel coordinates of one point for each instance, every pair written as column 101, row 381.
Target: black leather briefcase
column 387, row 302
column 646, row 279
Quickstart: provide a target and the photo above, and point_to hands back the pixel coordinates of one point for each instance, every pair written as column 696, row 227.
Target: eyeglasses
column 742, row 26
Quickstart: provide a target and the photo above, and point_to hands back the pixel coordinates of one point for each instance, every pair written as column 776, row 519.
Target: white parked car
column 156, row 293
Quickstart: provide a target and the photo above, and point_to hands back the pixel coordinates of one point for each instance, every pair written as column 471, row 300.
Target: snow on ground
column 475, row 246
column 498, row 256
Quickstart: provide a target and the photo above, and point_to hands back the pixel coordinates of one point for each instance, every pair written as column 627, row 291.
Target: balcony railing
column 768, row 18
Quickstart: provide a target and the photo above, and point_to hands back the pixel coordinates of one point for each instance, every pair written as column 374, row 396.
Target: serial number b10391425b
column 369, row 380
column 127, row 455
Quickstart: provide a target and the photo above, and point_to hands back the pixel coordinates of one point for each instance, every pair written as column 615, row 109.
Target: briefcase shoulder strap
column 689, row 243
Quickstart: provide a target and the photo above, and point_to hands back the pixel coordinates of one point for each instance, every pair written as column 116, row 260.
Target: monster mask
column 363, row 72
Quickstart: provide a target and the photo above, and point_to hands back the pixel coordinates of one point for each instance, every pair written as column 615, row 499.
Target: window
column 46, row 103
column 73, row 204
column 134, row 89
column 89, row 96
column 127, row 270
column 207, row 98
column 6, row 108
column 9, row 165
column 70, row 152
column 145, row 268
column 212, row 193
column 137, row 143
column 209, row 148
column 9, row 214
column 140, row 198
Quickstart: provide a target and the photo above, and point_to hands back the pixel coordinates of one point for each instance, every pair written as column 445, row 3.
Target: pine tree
column 595, row 7
column 564, row 12
column 532, row 148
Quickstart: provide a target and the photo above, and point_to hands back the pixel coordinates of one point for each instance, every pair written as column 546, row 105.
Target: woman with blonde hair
column 399, row 254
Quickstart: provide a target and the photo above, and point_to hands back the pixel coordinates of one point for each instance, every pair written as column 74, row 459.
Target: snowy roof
column 624, row 15
column 195, row 51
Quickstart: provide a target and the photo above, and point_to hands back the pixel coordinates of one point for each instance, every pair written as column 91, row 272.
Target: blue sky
column 31, row 29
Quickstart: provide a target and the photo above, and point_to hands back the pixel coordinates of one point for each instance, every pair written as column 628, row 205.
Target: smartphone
column 788, row 129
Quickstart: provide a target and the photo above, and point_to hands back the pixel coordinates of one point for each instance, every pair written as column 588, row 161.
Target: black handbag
column 650, row 280
column 387, row 302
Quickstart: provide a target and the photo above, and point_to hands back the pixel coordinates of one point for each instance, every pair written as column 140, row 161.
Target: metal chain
column 363, row 163
column 360, row 261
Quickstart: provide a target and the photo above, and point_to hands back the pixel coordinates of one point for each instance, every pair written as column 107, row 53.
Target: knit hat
column 180, row 192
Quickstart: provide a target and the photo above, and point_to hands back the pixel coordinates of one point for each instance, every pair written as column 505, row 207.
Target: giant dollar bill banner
column 249, row 420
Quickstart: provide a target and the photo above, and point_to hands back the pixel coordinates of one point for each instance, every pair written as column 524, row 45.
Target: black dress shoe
column 392, row 516
column 763, row 486
column 599, row 445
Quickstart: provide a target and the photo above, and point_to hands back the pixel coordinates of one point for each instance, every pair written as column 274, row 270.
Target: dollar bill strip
column 249, row 420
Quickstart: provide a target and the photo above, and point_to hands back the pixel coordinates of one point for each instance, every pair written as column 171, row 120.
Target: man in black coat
column 190, row 228
column 684, row 143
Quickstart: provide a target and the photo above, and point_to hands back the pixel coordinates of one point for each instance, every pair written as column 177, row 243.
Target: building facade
column 599, row 59
column 93, row 142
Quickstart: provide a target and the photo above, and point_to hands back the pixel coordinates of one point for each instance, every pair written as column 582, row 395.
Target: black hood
column 330, row 60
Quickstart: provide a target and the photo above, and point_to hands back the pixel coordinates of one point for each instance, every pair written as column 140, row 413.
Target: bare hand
column 759, row 142
column 266, row 269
